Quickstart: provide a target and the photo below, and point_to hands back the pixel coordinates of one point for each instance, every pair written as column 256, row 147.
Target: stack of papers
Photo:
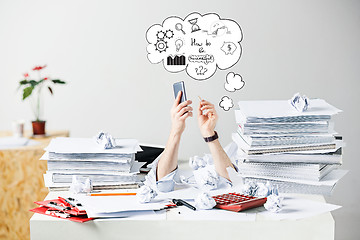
column 292, row 149
column 84, row 158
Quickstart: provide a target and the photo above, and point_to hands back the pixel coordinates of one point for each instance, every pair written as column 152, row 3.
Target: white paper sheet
column 131, row 215
column 190, row 193
column 282, row 108
column 46, row 157
column 89, row 145
column 329, row 180
column 212, row 215
column 135, row 169
column 297, row 208
column 113, row 204
column 13, row 142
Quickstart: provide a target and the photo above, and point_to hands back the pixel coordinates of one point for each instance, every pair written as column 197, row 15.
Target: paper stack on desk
column 295, row 150
column 83, row 157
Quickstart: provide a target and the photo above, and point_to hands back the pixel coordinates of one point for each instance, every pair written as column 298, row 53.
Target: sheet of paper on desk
column 89, row 145
column 113, row 204
column 212, row 215
column 282, row 108
column 189, row 193
column 329, row 180
column 135, row 169
column 132, row 215
column 12, row 142
column 86, row 158
column 297, row 208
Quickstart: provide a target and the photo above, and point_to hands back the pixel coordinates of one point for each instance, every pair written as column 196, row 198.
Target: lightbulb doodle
column 198, row 44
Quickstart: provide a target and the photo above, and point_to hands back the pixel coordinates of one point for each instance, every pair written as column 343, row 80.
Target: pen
column 180, row 202
column 112, row 194
column 210, row 114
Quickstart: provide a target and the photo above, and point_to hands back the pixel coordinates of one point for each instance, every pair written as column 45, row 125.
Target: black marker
column 180, row 202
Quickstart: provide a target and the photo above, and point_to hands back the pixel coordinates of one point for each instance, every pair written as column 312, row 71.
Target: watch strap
column 212, row 138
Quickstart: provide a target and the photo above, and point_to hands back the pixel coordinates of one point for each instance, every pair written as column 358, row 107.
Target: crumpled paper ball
column 105, row 140
column 146, row 194
column 197, row 162
column 249, row 188
column 207, row 178
column 300, row 103
column 80, row 186
column 186, row 180
column 262, row 190
column 204, row 201
column 273, row 203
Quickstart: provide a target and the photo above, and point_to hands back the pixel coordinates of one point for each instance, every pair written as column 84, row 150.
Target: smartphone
column 180, row 86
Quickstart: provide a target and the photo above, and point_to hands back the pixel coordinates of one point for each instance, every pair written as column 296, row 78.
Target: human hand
column 179, row 113
column 207, row 121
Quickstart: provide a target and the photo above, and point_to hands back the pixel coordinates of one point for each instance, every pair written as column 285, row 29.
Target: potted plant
column 32, row 90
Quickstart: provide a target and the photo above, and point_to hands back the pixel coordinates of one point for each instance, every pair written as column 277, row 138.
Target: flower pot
column 38, row 127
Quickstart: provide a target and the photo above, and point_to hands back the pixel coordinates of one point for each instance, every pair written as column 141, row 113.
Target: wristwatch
column 212, row 138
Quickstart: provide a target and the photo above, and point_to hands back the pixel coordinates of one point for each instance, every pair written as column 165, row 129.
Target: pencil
column 200, row 98
column 112, row 194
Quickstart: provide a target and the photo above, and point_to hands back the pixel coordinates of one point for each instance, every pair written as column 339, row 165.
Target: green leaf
column 33, row 83
column 51, row 91
column 58, row 81
column 27, row 92
column 23, row 82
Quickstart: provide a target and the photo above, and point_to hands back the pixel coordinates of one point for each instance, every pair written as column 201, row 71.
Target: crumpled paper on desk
column 80, row 185
column 146, row 194
column 273, row 202
column 197, row 162
column 207, row 177
column 105, row 140
column 249, row 188
column 300, row 103
column 204, row 201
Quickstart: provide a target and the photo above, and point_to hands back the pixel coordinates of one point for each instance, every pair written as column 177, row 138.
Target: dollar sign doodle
column 229, row 47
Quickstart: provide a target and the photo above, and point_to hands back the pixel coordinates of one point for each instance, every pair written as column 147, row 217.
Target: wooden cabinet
column 22, row 183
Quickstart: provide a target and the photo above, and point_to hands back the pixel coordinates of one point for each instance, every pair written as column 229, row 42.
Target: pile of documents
column 84, row 158
column 297, row 151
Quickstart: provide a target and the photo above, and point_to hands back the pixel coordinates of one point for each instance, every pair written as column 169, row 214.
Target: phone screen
column 180, row 86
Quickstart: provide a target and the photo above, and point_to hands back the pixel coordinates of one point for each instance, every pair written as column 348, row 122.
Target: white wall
column 99, row 48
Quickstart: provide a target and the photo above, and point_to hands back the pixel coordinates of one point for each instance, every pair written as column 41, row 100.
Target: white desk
column 318, row 227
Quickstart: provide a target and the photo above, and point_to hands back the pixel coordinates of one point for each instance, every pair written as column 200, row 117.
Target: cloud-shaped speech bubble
column 198, row 44
column 226, row 103
column 233, row 82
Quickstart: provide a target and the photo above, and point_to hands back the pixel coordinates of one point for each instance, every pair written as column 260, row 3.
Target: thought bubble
column 226, row 103
column 198, row 44
column 233, row 82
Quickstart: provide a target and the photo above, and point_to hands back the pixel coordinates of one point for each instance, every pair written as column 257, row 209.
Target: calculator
column 237, row 202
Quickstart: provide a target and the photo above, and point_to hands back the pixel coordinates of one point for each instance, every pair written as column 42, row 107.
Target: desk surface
column 174, row 227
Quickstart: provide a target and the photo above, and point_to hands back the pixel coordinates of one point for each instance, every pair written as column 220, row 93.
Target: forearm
column 169, row 159
column 221, row 159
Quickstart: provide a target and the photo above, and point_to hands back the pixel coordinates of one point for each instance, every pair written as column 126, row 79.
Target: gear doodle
column 160, row 35
column 169, row 33
column 161, row 46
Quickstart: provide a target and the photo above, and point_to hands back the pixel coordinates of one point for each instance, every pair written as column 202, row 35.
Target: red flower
column 26, row 75
column 46, row 78
column 38, row 68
